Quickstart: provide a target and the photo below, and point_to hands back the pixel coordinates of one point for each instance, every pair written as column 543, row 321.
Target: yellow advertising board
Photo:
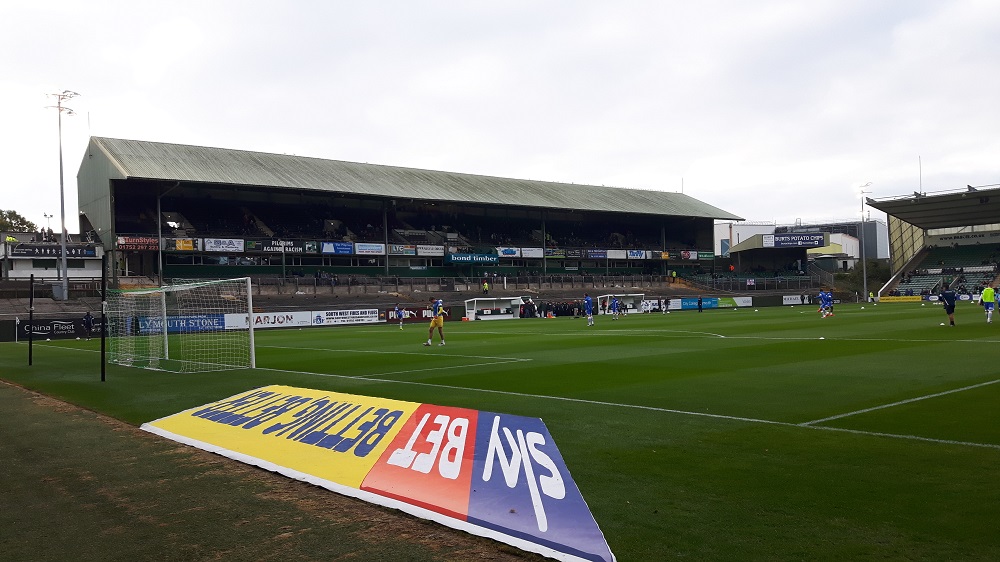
column 348, row 433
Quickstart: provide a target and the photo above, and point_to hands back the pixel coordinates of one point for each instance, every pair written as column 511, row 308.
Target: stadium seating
column 966, row 268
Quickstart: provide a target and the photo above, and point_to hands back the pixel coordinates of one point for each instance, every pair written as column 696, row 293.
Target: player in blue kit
column 588, row 308
column 987, row 299
column 398, row 314
column 948, row 297
column 614, row 308
column 825, row 298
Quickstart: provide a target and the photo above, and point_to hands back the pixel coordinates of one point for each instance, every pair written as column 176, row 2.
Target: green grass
column 689, row 434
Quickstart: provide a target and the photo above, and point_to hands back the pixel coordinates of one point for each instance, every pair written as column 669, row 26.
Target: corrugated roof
column 177, row 162
column 968, row 207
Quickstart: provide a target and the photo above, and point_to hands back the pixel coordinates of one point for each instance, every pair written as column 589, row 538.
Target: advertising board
column 495, row 475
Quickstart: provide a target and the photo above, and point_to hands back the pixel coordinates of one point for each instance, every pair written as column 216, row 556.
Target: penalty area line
column 901, row 436
column 900, row 403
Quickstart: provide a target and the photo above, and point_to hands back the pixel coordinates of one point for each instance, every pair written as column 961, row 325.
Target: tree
column 12, row 221
column 853, row 282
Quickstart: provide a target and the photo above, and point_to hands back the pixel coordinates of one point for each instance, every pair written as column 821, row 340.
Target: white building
column 22, row 256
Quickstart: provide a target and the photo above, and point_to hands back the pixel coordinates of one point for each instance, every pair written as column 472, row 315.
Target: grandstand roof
column 177, row 162
column 968, row 207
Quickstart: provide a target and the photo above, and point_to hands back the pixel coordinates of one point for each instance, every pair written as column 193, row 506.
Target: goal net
column 186, row 327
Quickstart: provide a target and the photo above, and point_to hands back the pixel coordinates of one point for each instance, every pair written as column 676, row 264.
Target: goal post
column 630, row 302
column 187, row 327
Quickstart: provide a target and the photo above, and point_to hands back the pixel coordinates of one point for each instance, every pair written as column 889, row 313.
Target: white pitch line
column 443, row 368
column 652, row 409
column 656, row 331
column 526, row 395
column 507, row 359
column 901, row 402
column 900, row 340
column 632, row 406
column 649, row 333
column 901, row 436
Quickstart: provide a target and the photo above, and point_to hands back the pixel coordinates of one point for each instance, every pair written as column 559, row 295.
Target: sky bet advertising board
column 489, row 474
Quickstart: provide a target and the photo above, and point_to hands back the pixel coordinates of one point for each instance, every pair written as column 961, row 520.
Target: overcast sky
column 771, row 110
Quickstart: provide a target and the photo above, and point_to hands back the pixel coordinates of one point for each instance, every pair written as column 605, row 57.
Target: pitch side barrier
column 964, row 297
column 71, row 328
column 318, row 318
column 47, row 329
column 912, row 298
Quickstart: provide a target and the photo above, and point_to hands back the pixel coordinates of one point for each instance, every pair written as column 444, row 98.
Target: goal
column 186, row 327
column 629, row 302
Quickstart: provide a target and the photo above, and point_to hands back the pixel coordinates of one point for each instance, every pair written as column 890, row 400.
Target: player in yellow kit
column 989, row 300
column 437, row 321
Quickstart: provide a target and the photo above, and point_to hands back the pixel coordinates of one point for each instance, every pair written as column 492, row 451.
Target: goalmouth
column 631, row 302
column 187, row 327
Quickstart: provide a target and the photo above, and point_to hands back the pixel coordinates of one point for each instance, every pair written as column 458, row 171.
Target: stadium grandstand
column 950, row 236
column 231, row 213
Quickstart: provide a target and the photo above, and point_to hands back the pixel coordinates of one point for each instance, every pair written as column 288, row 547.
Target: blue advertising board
column 338, row 248
column 177, row 324
column 692, row 304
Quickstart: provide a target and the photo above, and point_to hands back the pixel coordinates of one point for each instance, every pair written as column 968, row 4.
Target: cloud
column 772, row 110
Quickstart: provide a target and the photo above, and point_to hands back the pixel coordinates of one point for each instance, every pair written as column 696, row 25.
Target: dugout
column 184, row 211
column 505, row 308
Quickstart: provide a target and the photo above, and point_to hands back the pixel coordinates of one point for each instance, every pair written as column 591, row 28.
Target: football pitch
column 767, row 434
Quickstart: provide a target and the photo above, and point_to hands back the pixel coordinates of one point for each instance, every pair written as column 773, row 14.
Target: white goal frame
column 194, row 326
column 633, row 301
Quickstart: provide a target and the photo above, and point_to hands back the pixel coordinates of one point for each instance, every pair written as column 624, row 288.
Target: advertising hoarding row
column 304, row 318
column 54, row 328
column 271, row 246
